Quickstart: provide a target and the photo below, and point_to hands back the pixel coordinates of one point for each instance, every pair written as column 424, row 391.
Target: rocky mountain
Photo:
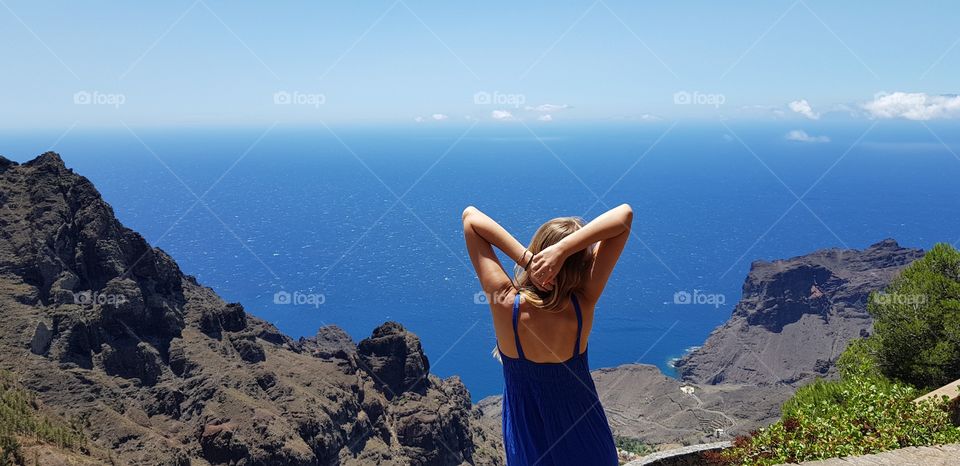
column 796, row 316
column 107, row 331
column 794, row 319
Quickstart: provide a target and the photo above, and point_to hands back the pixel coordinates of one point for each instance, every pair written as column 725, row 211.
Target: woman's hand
column 546, row 265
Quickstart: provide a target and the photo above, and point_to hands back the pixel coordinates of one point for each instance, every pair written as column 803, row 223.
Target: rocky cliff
column 796, row 316
column 107, row 330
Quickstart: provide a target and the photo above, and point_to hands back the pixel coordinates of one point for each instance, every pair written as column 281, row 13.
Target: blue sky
column 226, row 63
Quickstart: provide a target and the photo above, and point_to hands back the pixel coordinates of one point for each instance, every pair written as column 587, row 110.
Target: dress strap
column 576, row 306
column 516, row 316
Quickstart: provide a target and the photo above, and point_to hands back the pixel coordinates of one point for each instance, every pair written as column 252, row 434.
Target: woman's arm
column 611, row 230
column 482, row 233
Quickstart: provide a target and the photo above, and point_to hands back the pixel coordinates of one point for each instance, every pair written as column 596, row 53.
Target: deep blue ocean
column 307, row 211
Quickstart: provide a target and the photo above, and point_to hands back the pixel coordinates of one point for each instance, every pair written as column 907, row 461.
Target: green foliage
column 917, row 321
column 10, row 453
column 856, row 415
column 632, row 445
column 20, row 416
column 859, row 359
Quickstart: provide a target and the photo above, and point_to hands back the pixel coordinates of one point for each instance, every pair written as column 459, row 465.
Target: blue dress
column 551, row 412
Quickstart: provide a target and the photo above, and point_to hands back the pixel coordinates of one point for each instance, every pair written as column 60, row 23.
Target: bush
column 10, row 453
column 917, row 321
column 632, row 445
column 856, row 415
column 20, row 416
column 859, row 359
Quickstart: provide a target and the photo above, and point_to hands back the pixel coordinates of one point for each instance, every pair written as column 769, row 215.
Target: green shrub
column 632, row 445
column 856, row 415
column 20, row 416
column 917, row 321
column 10, row 453
column 859, row 359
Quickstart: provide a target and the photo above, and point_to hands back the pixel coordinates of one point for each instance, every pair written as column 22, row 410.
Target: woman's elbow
column 467, row 214
column 470, row 210
column 627, row 214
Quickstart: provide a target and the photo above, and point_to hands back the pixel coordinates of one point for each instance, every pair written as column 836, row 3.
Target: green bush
column 917, row 321
column 859, row 359
column 20, row 416
column 856, row 415
column 10, row 452
column 632, row 445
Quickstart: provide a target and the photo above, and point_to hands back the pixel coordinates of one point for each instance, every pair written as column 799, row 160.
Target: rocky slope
column 106, row 329
column 796, row 316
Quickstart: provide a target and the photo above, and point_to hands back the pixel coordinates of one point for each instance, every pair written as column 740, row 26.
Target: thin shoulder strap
column 516, row 316
column 576, row 306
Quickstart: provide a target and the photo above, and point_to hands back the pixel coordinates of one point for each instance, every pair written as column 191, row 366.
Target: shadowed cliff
column 105, row 328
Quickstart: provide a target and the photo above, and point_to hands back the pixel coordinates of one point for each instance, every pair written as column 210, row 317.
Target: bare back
column 546, row 336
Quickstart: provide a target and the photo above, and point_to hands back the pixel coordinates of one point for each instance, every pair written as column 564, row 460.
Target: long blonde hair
column 572, row 275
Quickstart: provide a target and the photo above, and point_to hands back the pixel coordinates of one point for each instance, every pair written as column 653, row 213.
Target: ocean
column 358, row 224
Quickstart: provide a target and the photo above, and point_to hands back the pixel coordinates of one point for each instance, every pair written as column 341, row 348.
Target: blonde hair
column 569, row 280
column 572, row 275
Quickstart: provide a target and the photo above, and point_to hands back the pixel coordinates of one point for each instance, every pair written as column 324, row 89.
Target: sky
column 208, row 62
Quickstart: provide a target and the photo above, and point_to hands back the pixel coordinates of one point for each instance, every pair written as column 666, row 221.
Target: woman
column 551, row 412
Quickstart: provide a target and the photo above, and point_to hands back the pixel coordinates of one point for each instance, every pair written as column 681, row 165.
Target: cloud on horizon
column 439, row 116
column 548, row 108
column 803, row 107
column 502, row 115
column 913, row 106
column 800, row 135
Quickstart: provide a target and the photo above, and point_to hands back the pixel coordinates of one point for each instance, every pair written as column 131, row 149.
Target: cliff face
column 106, row 329
column 796, row 316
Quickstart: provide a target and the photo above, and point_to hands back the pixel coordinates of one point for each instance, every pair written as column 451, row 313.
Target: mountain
column 155, row 368
column 796, row 316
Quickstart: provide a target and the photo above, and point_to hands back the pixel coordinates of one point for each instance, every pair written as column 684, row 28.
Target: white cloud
column 913, row 106
column 439, row 116
column 803, row 107
column 800, row 135
column 548, row 108
column 649, row 117
column 501, row 115
column 418, row 119
column 545, row 118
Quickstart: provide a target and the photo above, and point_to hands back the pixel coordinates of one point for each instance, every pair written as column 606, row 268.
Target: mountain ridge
column 103, row 326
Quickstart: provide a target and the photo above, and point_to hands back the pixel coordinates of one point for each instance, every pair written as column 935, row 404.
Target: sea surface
column 361, row 223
